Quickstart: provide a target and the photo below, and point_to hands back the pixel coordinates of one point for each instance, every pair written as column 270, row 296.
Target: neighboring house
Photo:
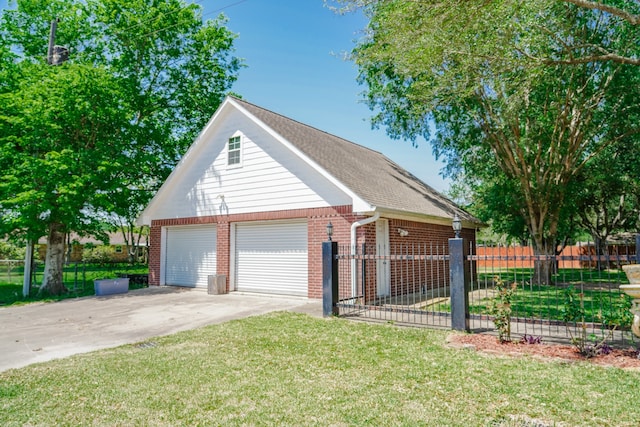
column 75, row 246
column 253, row 195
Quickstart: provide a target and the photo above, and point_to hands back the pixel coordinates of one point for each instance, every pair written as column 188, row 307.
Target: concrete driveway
column 45, row 331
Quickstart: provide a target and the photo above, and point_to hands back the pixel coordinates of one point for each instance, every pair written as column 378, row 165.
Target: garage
column 190, row 255
column 271, row 257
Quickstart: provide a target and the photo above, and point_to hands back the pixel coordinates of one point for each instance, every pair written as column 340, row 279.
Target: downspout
column 354, row 273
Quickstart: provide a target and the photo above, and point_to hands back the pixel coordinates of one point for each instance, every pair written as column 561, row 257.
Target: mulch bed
column 619, row 358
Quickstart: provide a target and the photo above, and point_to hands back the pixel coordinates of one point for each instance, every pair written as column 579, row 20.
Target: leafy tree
column 521, row 125
column 606, row 198
column 454, row 23
column 99, row 133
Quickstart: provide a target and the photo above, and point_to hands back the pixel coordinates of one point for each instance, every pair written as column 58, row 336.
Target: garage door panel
column 191, row 255
column 272, row 258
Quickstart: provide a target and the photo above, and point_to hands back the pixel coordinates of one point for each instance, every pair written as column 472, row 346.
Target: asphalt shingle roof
column 368, row 173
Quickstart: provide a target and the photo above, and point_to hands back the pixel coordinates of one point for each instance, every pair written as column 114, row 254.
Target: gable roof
column 368, row 173
column 376, row 183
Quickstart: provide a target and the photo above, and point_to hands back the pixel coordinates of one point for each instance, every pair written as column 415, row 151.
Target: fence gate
column 400, row 284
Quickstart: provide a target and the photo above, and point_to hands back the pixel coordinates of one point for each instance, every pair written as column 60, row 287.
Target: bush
column 97, row 255
column 500, row 308
column 10, row 251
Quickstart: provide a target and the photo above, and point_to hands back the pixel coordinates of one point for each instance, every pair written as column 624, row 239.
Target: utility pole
column 56, row 55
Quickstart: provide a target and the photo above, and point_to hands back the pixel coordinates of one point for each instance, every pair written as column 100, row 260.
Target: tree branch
column 620, row 13
column 592, row 58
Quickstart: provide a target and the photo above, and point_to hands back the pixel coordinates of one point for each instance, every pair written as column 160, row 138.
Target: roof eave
column 420, row 217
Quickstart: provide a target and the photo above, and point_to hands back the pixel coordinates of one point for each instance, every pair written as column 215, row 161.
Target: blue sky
column 293, row 52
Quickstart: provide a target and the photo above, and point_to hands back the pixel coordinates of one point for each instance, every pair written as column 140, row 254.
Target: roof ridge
column 305, row 125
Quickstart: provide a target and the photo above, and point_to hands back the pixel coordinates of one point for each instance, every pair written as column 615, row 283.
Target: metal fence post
column 459, row 282
column 329, row 278
column 638, row 248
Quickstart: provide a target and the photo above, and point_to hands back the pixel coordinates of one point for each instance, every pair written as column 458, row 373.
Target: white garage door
column 272, row 258
column 190, row 255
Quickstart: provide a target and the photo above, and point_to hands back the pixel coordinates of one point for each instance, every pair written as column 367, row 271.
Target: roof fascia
column 430, row 219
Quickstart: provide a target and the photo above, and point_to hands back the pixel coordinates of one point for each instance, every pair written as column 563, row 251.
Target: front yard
column 291, row 369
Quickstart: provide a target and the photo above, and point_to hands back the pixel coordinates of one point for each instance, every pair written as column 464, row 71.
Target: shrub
column 588, row 345
column 500, row 308
column 11, row 251
column 98, row 254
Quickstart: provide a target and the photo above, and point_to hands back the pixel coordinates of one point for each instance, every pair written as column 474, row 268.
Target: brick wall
column 154, row 254
column 409, row 276
column 341, row 218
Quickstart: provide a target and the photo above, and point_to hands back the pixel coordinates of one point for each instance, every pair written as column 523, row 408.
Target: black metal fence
column 404, row 284
column 460, row 287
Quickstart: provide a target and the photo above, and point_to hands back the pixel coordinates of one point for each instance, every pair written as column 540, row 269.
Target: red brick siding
column 223, row 257
column 154, row 255
column 317, row 218
column 341, row 217
column 408, row 276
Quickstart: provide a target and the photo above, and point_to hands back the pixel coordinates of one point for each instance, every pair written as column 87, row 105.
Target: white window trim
column 241, row 149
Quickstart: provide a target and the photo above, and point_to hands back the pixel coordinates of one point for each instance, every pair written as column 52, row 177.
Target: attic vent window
column 234, row 151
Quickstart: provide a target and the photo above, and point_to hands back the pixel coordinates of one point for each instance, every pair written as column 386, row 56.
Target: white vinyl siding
column 272, row 258
column 190, row 255
column 271, row 178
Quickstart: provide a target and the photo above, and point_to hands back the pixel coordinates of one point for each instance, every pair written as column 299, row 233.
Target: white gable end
column 268, row 177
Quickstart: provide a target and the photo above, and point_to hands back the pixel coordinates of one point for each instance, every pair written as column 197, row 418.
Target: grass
column 565, row 276
column 78, row 278
column 292, row 369
column 549, row 302
column 601, row 295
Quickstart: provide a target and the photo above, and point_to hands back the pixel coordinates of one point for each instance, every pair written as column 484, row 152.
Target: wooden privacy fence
column 575, row 256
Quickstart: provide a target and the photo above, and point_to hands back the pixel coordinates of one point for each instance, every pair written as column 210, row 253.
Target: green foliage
column 573, row 307
column 77, row 277
column 607, row 192
column 614, row 311
column 589, row 345
column 9, row 250
column 518, row 98
column 97, row 135
column 500, row 308
column 98, row 254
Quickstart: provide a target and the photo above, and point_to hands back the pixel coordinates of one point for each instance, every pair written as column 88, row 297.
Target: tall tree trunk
column 601, row 251
column 545, row 266
column 52, row 283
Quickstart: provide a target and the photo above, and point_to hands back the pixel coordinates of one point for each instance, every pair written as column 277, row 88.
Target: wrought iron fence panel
column 410, row 284
column 581, row 299
column 400, row 284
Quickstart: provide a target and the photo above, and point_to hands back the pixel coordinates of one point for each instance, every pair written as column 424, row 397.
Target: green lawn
column 292, row 369
column 601, row 297
column 550, row 302
column 78, row 278
column 565, row 276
